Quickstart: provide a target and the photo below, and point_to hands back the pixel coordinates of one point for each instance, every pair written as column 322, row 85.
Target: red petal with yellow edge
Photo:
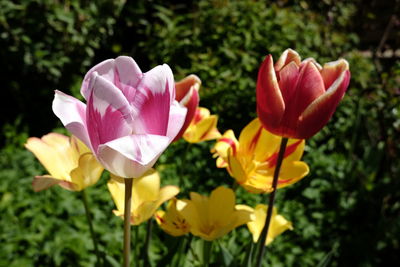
column 183, row 86
column 270, row 105
column 289, row 55
column 332, row 71
column 321, row 110
column 191, row 106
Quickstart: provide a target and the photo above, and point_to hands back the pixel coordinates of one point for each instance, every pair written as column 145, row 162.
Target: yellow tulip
column 277, row 226
column 212, row 217
column 69, row 162
column 203, row 127
column 251, row 161
column 171, row 221
column 146, row 195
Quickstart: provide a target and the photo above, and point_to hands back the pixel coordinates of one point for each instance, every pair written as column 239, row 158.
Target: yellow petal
column 171, row 221
column 87, row 173
column 227, row 141
column 145, row 188
column 221, row 205
column 292, row 172
column 190, row 213
column 204, row 129
column 277, row 226
column 147, row 209
column 258, row 142
column 116, row 186
column 80, row 147
column 236, row 169
column 54, row 153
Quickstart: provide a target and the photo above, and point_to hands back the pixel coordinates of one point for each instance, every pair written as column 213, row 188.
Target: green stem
column 145, row 251
column 264, row 233
column 127, row 221
column 89, row 219
column 249, row 255
column 207, row 247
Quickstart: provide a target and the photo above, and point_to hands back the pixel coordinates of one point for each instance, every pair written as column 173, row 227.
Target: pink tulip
column 130, row 117
column 295, row 98
column 187, row 93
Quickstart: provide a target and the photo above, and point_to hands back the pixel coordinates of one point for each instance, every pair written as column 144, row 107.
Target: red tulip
column 187, row 94
column 295, row 98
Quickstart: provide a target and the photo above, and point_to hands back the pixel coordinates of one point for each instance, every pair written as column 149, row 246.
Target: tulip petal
column 321, row 110
column 309, row 87
column 130, row 156
column 177, row 118
column 270, row 104
column 145, row 188
column 166, row 193
column 289, row 55
column 55, row 156
column 254, row 140
column 184, row 86
column 202, row 131
column 221, row 204
column 157, row 88
column 332, row 71
column 128, row 72
column 288, row 78
column 116, row 186
column 191, row 102
column 104, row 69
column 292, row 172
column 108, row 112
column 87, row 173
column 72, row 114
column 40, row 183
column 190, row 213
column 235, row 169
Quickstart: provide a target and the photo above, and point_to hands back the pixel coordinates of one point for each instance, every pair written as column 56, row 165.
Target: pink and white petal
column 127, row 78
column 321, row 110
column 72, row 114
column 155, row 110
column 128, row 71
column 289, row 55
column 104, row 68
column 158, row 80
column 131, row 156
column 108, row 113
column 332, row 71
column 177, row 116
column 270, row 104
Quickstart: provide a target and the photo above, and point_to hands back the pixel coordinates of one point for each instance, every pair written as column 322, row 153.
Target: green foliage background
column 345, row 212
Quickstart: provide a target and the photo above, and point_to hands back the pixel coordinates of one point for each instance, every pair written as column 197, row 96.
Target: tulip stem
column 264, row 233
column 207, row 247
column 145, row 251
column 127, row 220
column 90, row 223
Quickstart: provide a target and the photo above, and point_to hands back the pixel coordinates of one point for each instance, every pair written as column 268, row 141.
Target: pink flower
column 130, row 117
column 295, row 98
